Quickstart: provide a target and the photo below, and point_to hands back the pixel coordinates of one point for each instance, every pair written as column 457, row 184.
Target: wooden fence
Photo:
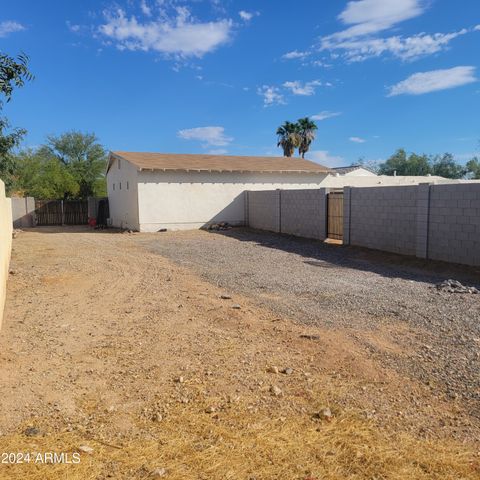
column 61, row 212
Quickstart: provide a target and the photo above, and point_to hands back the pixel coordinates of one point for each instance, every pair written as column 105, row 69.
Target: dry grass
column 104, row 380
column 235, row 443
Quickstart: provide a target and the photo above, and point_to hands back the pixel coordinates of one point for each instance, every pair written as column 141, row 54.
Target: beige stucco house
column 152, row 191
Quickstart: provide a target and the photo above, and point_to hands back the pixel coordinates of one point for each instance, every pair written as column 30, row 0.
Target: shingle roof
column 218, row 163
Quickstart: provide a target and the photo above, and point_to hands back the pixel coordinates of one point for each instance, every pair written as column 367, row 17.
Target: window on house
column 119, row 164
column 113, row 187
column 127, row 185
column 120, row 185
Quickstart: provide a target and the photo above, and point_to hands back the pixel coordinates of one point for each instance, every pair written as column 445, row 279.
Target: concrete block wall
column 382, row 218
column 454, row 223
column 439, row 222
column 304, row 213
column 5, row 244
column 23, row 212
column 295, row 212
column 264, row 210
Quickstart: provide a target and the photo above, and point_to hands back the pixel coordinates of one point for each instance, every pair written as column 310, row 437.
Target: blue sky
column 220, row 76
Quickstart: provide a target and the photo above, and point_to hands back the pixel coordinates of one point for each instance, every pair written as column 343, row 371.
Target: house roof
column 217, row 163
column 351, row 168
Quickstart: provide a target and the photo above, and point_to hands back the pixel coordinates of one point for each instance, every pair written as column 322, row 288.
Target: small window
column 113, row 187
column 127, row 185
column 120, row 186
column 119, row 164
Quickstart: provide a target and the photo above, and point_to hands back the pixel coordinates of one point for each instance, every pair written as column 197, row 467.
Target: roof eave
column 212, row 170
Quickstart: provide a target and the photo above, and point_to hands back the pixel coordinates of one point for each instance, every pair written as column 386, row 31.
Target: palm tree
column 306, row 129
column 288, row 138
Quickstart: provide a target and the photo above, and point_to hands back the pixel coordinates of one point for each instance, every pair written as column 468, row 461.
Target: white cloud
column 373, row 16
column 210, row 136
column 321, row 63
column 294, row 54
column 323, row 157
column 405, row 48
column 357, row 140
column 367, row 18
column 247, row 16
column 72, row 27
column 9, row 26
column 297, row 88
column 425, row 82
column 324, row 115
column 180, row 36
column 145, row 8
column 218, row 151
column 271, row 95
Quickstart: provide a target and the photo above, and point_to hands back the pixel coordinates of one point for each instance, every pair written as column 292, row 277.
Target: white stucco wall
column 123, row 194
column 360, row 172
column 5, row 244
column 333, row 181
column 188, row 200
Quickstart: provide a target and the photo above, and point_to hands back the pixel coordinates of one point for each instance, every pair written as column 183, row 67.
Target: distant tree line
column 300, row 135
column 71, row 165
column 401, row 163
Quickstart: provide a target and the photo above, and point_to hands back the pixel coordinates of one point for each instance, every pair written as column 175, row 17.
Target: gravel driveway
column 352, row 288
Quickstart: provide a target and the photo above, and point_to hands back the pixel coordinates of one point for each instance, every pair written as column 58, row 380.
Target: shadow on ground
column 328, row 256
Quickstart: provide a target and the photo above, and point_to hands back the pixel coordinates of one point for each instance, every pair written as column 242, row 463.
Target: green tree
column 13, row 74
column 402, row 164
column 473, row 168
column 418, row 165
column 306, row 129
column 288, row 138
column 82, row 157
column 43, row 177
column 445, row 166
column 9, row 140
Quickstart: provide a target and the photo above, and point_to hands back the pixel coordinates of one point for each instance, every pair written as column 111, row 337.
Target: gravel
column 315, row 283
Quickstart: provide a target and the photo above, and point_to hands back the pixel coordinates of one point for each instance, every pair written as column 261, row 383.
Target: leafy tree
column 9, row 140
column 13, row 73
column 445, row 166
column 473, row 168
column 413, row 164
column 43, row 177
column 306, row 129
column 402, row 164
column 395, row 164
column 288, row 138
column 418, row 165
column 82, row 157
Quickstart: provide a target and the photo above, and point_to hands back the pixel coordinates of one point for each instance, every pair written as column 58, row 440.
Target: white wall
column 332, row 181
column 184, row 200
column 5, row 244
column 123, row 194
column 360, row 172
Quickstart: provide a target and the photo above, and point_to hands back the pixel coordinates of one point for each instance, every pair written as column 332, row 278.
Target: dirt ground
column 117, row 353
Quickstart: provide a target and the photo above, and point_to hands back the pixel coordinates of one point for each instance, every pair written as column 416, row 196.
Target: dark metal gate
column 335, row 215
column 61, row 212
